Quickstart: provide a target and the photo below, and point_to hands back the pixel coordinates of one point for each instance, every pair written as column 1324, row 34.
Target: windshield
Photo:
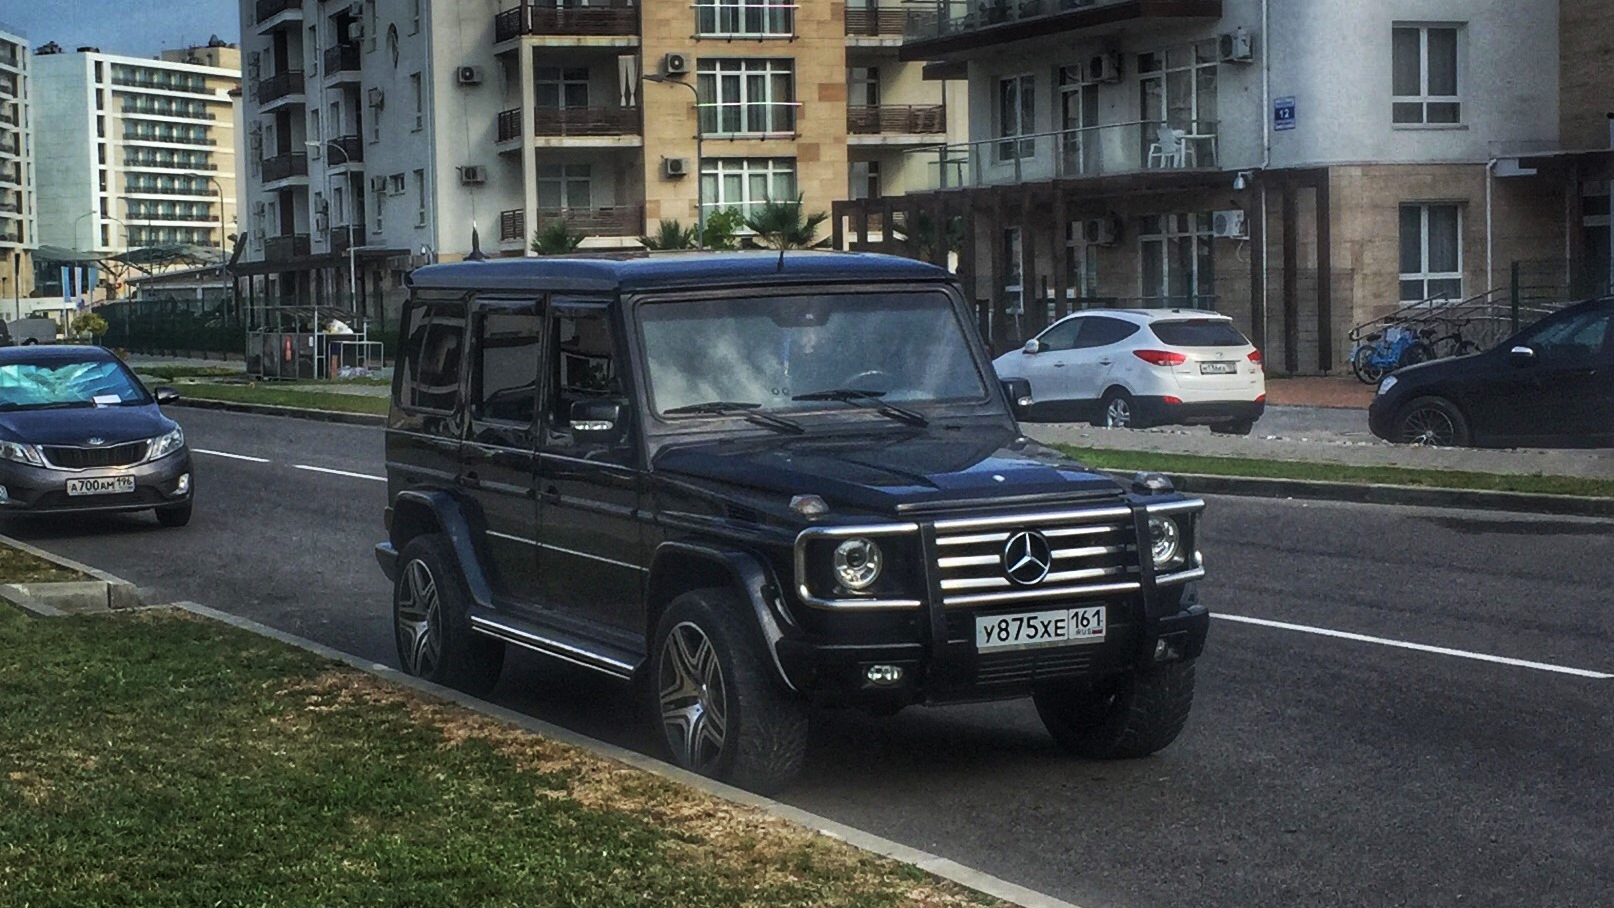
column 768, row 352
column 32, row 386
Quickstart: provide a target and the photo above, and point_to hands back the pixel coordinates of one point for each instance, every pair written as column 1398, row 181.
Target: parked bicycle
column 1454, row 343
column 1385, row 351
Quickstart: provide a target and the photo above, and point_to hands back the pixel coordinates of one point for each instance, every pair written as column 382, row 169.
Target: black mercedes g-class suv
column 752, row 483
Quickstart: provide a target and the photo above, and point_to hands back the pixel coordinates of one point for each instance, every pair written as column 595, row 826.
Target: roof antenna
column 476, row 254
column 781, row 268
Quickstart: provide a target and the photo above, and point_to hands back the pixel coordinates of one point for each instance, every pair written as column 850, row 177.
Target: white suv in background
column 1140, row 367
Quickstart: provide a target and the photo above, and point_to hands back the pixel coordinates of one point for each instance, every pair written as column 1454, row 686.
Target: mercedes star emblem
column 96, row 441
column 1027, row 558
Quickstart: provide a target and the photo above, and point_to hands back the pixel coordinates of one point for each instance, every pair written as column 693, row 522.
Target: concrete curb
column 103, row 592
column 1411, row 496
column 338, row 416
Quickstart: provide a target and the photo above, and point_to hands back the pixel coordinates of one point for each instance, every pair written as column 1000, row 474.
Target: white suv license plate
column 1218, row 368
column 1031, row 630
column 101, row 485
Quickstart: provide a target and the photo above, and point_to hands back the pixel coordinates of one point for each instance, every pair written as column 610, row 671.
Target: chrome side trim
column 1130, row 586
column 1040, row 517
column 600, row 558
column 524, row 541
column 561, row 651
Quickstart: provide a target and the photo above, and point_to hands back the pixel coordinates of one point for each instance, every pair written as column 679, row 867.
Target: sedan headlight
column 1388, row 383
column 21, row 453
column 164, row 445
column 858, row 563
column 1165, row 542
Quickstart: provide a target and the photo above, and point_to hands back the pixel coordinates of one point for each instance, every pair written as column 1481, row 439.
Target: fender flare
column 452, row 522
column 752, row 579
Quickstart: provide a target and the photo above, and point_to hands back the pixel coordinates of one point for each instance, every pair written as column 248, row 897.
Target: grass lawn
column 1108, row 459
column 155, row 758
column 17, row 566
column 173, row 373
column 269, row 393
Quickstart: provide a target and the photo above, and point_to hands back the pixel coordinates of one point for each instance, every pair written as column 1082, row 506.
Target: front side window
column 1017, row 117
column 746, row 183
column 745, row 18
column 1431, row 252
column 1101, row 331
column 767, row 351
column 584, row 367
column 1575, row 337
column 505, row 372
column 747, row 97
column 1424, row 70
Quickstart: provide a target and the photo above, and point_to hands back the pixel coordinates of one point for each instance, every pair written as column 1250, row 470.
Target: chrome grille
column 1094, row 553
column 81, row 458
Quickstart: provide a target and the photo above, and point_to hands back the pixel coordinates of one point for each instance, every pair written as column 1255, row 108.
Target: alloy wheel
column 419, row 620
column 1118, row 415
column 1428, row 426
column 693, row 698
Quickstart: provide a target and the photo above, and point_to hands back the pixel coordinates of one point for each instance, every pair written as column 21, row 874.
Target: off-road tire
column 1432, row 421
column 1131, row 715
column 429, row 598
column 176, row 515
column 763, row 727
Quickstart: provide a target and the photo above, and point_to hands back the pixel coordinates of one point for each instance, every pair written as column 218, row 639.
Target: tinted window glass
column 1101, row 332
column 1199, row 332
column 1578, row 335
column 431, row 358
column 1061, row 336
column 59, row 384
column 584, row 367
column 506, row 368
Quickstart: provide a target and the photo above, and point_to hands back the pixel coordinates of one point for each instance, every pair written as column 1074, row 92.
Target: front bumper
column 43, row 490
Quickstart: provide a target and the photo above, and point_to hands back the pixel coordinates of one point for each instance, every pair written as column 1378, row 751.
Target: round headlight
column 1165, row 541
column 857, row 563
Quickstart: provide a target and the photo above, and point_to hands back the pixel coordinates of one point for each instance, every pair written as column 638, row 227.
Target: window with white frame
column 563, row 186
column 420, row 198
column 1431, row 252
column 1178, row 264
column 1424, row 75
column 1017, row 117
column 746, row 183
column 561, row 86
column 747, row 97
column 745, row 18
column 1081, row 263
column 1177, row 103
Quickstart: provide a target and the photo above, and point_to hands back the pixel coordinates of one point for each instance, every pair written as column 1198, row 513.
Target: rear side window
column 1199, row 332
column 1101, row 331
column 506, row 368
column 431, row 358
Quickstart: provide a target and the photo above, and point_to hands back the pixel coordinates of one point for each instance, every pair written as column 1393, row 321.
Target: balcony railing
column 280, row 85
column 572, row 121
column 268, row 9
column 1010, row 20
column 280, row 167
column 12, row 174
column 617, row 220
column 888, row 119
column 142, row 214
column 342, row 58
column 1073, row 154
column 876, row 22
column 345, row 150
column 8, row 144
column 617, row 18
column 10, row 119
column 279, row 248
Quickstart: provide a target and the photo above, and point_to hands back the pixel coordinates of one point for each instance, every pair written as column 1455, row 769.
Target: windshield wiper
column 52, row 405
column 868, row 400
column 745, row 409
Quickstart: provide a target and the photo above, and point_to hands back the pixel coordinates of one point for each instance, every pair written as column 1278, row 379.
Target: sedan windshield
column 807, row 352
column 37, row 386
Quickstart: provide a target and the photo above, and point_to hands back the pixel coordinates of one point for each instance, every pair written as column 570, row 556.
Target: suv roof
column 694, row 269
column 1148, row 316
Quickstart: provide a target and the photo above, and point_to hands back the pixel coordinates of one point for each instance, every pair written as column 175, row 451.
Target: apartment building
column 18, row 224
column 1304, row 167
column 382, row 132
column 139, row 153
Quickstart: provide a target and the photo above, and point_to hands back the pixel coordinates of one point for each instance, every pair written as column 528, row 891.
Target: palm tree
column 555, row 239
column 671, row 235
column 782, row 225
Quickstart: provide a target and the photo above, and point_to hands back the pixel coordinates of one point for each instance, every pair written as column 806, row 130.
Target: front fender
column 743, row 572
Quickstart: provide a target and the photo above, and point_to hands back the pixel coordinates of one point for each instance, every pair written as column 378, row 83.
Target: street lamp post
column 352, row 247
column 700, row 207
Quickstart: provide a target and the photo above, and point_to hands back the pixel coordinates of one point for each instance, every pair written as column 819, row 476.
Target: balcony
column 875, row 21
column 1124, row 148
column 280, row 85
column 618, row 18
column 343, row 58
column 284, row 167
column 281, row 248
column 340, row 238
column 569, row 122
column 344, row 151
column 8, row 118
column 617, row 220
column 947, row 27
column 8, row 144
column 268, row 9
column 896, row 120
column 12, row 174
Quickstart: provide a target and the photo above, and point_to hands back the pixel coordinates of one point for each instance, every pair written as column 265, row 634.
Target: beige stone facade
column 1587, row 28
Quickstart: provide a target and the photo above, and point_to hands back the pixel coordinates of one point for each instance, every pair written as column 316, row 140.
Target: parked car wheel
column 1119, row 411
column 175, row 515
column 1432, row 421
column 1130, row 715
column 719, row 710
column 431, row 624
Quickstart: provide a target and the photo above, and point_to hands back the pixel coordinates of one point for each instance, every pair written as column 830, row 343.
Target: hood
column 894, row 470
column 76, row 426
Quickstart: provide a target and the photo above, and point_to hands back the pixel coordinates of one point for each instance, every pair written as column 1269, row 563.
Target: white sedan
column 1140, row 367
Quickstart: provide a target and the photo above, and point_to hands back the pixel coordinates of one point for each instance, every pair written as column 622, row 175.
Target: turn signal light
column 1160, row 357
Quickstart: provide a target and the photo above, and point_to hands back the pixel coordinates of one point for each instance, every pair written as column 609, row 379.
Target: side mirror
column 1018, row 391
column 1032, row 347
column 596, row 422
column 1521, row 356
column 165, row 394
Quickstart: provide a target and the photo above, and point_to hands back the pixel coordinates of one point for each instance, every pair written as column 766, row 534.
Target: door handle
column 469, row 480
column 1059, row 365
column 551, row 493
column 1104, row 362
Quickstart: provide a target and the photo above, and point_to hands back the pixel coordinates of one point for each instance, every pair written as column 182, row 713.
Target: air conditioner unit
column 673, row 168
column 473, row 174
column 376, row 97
column 675, row 64
column 468, row 75
column 1237, row 47
column 1105, row 67
column 1105, row 231
column 1229, row 224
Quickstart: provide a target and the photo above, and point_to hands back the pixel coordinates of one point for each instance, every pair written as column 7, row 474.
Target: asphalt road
column 1316, row 770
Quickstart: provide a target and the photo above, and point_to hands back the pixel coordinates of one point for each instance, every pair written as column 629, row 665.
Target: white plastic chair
column 1169, row 149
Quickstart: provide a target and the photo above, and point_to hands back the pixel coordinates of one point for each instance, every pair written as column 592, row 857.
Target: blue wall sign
column 1283, row 113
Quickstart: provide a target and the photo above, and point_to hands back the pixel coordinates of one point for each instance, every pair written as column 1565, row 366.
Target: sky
column 135, row 28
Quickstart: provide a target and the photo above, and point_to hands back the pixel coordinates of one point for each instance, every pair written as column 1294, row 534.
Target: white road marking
column 1420, row 647
column 298, row 466
column 229, row 455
